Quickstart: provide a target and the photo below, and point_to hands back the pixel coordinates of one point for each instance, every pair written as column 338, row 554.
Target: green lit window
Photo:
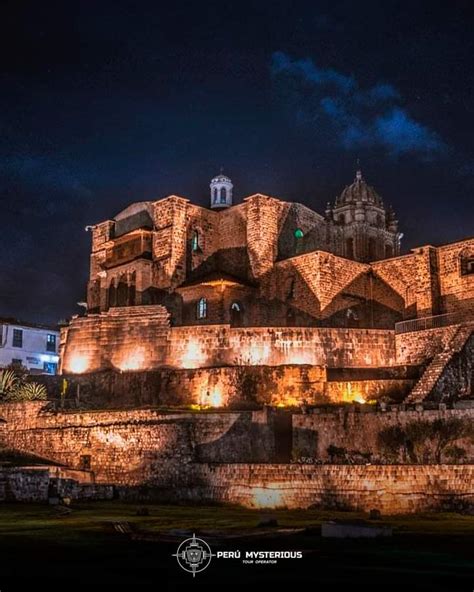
column 298, row 234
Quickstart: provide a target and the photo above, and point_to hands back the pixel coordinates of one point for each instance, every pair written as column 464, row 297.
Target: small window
column 201, row 311
column 17, row 338
column 236, row 314
column 467, row 264
column 17, row 363
column 195, row 240
column 51, row 343
column 298, row 234
column 214, row 195
column 223, row 195
column 388, row 251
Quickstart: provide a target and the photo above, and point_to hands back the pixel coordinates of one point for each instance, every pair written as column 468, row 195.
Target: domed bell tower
column 369, row 230
column 221, row 192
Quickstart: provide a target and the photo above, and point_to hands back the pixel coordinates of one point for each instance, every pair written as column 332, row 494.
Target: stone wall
column 127, row 338
column 215, row 345
column 40, row 484
column 389, row 489
column 357, row 433
column 417, row 347
column 234, row 387
column 146, row 454
column 139, row 338
column 456, row 287
column 131, row 447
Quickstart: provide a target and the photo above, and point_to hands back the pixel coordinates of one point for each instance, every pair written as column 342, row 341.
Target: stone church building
column 271, row 263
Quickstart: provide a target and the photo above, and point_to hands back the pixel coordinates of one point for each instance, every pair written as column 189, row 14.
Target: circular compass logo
column 194, row 555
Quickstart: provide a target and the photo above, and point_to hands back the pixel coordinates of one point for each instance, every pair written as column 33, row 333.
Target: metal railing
column 434, row 322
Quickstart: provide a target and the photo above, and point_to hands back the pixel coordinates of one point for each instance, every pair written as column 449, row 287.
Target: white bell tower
column 221, row 191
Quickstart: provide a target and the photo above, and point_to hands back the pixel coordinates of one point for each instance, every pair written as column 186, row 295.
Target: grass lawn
column 427, row 552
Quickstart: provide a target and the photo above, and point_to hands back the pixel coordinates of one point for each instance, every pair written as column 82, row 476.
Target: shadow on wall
column 261, row 437
column 457, row 378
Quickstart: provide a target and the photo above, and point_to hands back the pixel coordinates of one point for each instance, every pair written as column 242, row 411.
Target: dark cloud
column 359, row 118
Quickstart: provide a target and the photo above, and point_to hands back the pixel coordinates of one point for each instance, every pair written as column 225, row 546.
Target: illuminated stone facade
column 238, row 458
column 271, row 263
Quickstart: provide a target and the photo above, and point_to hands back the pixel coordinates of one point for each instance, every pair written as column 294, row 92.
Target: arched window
column 195, row 240
column 388, row 251
column 215, row 195
column 122, row 291
column 236, row 314
column 112, row 296
column 132, row 289
column 201, row 309
column 223, row 195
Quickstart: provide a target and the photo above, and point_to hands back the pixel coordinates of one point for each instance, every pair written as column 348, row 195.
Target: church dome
column 359, row 191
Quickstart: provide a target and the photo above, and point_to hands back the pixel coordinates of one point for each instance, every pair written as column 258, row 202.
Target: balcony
column 136, row 245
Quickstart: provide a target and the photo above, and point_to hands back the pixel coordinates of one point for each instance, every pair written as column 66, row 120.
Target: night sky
column 106, row 103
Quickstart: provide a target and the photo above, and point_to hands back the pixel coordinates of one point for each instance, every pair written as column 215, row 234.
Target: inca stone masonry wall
column 132, row 447
column 139, row 338
column 234, row 387
column 416, row 347
column 357, row 433
column 39, row 484
column 390, row 489
column 151, row 455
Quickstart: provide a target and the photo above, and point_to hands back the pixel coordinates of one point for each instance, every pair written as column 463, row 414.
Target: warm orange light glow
column 193, row 356
column 211, row 397
column 78, row 363
column 108, row 437
column 300, row 358
column 353, row 395
column 289, row 402
column 267, row 497
column 256, row 355
column 133, row 361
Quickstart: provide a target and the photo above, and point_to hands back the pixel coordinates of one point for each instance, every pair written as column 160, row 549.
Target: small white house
column 34, row 347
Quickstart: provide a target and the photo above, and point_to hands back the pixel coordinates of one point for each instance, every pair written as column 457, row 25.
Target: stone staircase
column 435, row 368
